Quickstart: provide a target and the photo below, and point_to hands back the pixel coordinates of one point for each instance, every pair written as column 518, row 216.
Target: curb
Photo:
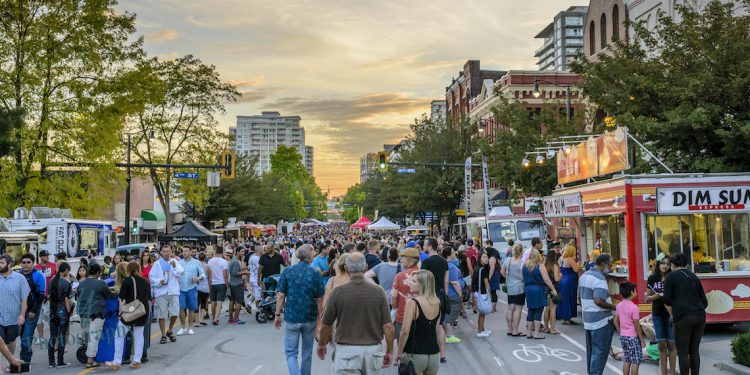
column 733, row 368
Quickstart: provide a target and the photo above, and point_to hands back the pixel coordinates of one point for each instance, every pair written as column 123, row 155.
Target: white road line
column 499, row 362
column 256, row 369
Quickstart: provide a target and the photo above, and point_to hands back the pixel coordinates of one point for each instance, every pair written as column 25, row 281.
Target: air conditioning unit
column 21, row 213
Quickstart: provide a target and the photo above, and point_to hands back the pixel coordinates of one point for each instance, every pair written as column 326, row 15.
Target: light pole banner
column 467, row 184
column 486, row 183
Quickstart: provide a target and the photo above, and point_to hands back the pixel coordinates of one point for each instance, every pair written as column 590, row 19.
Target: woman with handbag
column 135, row 294
column 481, row 287
column 418, row 349
column 535, row 278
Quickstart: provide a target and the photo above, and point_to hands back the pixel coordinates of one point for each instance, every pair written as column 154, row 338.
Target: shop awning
column 153, row 220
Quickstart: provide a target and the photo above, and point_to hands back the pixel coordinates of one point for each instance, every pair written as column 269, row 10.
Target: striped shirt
column 593, row 285
column 13, row 290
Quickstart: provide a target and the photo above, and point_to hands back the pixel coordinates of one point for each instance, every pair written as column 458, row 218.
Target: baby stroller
column 267, row 307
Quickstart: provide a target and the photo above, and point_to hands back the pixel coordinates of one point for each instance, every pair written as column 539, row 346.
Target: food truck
column 636, row 217
column 504, row 225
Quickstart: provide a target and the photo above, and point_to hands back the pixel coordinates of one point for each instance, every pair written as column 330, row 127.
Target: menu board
column 596, row 156
column 612, row 148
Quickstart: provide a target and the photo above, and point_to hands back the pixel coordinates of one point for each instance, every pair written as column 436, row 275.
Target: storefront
column 635, row 218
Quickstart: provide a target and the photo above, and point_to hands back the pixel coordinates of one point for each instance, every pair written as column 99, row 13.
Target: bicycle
column 534, row 353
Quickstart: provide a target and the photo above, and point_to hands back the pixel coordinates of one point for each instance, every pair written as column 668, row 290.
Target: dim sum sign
column 702, row 199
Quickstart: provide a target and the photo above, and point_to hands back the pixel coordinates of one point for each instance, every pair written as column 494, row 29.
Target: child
column 631, row 334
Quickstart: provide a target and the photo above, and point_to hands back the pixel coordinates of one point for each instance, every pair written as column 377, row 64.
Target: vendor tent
column 190, row 232
column 362, row 223
column 383, row 224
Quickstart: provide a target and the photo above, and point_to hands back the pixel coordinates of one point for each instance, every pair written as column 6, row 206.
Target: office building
column 563, row 38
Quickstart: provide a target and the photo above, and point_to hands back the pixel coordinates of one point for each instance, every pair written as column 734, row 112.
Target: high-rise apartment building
column 309, row 159
column 563, row 38
column 368, row 166
column 261, row 135
column 437, row 110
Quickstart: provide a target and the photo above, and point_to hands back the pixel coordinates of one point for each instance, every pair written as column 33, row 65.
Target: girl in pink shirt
column 631, row 334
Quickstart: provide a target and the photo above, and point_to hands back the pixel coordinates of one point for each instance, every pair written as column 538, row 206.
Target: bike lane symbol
column 534, row 353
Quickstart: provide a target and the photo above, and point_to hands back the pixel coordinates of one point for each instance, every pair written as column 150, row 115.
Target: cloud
column 168, row 56
column 257, row 94
column 162, row 36
column 253, row 82
column 741, row 291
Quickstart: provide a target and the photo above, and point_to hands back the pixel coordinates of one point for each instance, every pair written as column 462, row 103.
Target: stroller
column 267, row 307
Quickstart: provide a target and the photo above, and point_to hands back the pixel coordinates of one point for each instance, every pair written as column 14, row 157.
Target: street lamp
column 568, row 104
column 127, row 187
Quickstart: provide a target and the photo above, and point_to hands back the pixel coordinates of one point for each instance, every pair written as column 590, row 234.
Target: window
column 502, row 231
column 592, row 38
column 603, row 31
column 608, row 235
column 529, row 229
column 615, row 22
column 573, row 21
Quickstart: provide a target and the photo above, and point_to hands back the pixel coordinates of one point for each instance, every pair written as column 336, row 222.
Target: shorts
column 203, row 300
column 189, row 300
column 534, row 314
column 631, row 350
column 167, row 306
column 493, row 295
column 237, row 294
column 455, row 304
column 517, row 299
column 10, row 333
column 218, row 292
column 424, row 363
column 663, row 329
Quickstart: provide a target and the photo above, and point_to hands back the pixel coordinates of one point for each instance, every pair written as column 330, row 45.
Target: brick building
column 468, row 85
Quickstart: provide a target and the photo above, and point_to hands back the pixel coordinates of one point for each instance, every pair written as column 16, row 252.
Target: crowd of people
column 369, row 301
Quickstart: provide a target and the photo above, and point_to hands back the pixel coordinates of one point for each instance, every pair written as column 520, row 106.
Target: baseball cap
column 44, row 253
column 410, row 252
column 411, row 244
column 470, row 242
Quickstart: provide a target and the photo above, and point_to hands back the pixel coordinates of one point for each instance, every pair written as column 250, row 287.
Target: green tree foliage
column 176, row 102
column 525, row 131
column 354, row 199
column 61, row 63
column 684, row 88
column 305, row 196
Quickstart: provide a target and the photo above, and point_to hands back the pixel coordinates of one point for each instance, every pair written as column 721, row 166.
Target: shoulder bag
column 408, row 367
column 484, row 304
column 133, row 310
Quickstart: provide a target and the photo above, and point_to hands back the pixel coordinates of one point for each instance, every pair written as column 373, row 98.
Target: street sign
column 461, row 212
column 407, row 170
column 213, row 179
column 308, row 208
column 187, row 175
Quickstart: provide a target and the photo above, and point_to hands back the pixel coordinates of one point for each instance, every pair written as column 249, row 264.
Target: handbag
column 133, row 310
column 408, row 367
column 484, row 304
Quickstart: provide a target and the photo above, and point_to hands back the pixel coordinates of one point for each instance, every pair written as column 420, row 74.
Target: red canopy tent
column 362, row 223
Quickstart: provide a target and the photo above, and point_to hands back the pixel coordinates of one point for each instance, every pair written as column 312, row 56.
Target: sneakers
column 232, row 322
column 64, row 364
column 191, row 332
column 452, row 340
column 488, row 332
column 181, row 332
column 52, row 365
column 483, row 334
column 239, row 322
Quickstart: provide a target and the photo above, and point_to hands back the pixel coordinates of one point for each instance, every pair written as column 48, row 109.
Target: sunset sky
column 357, row 72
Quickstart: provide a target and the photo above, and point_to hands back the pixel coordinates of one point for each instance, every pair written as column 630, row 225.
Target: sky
column 357, row 72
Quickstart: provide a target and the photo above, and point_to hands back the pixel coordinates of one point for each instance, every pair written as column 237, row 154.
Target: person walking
column 320, row 263
column 660, row 316
column 454, row 294
column 495, row 262
column 92, row 297
column 218, row 276
column 14, row 292
column 385, row 272
column 146, row 262
column 253, row 279
column 48, row 269
column 439, row 268
column 134, row 287
column 536, row 280
column 360, row 311
column 237, row 275
column 61, row 307
column 372, row 256
column 686, row 301
column 301, row 291
column 34, row 301
column 418, row 340
column 597, row 310
column 480, row 284
column 401, row 290
column 569, row 268
column 203, row 291
column 165, row 278
column 512, row 270
column 189, row 280
column 549, row 317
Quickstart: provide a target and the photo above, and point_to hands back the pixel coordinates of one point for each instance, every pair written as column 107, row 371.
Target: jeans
column 58, row 328
column 27, row 338
column 688, row 332
column 363, row 360
column 138, row 339
column 598, row 342
column 295, row 332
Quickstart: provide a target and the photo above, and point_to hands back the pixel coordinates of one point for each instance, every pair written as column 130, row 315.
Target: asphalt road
column 258, row 349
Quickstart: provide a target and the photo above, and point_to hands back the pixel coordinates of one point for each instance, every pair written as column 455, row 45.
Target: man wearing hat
column 401, row 291
column 472, row 254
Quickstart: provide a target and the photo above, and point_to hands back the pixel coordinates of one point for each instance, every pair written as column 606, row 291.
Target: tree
column 60, row 68
column 176, row 102
column 305, row 197
column 684, row 87
column 353, row 200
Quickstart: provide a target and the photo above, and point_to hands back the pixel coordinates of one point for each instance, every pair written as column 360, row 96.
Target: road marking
column 534, row 353
column 220, row 347
column 257, row 368
column 499, row 362
column 86, row 371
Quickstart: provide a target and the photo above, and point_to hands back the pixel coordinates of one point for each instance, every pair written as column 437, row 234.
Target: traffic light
column 134, row 227
column 382, row 160
column 227, row 164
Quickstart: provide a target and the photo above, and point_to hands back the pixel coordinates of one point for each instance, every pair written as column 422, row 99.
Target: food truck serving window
column 712, row 241
column 529, row 229
column 501, row 232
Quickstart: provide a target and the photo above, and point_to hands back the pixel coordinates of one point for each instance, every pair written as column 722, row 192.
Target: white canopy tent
column 383, row 224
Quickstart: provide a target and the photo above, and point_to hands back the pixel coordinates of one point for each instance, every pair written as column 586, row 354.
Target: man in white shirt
column 252, row 265
column 165, row 278
column 218, row 276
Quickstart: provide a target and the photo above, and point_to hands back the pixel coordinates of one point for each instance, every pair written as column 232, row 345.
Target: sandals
column 163, row 340
column 554, row 332
column 519, row 334
column 92, row 365
column 539, row 338
column 171, row 336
